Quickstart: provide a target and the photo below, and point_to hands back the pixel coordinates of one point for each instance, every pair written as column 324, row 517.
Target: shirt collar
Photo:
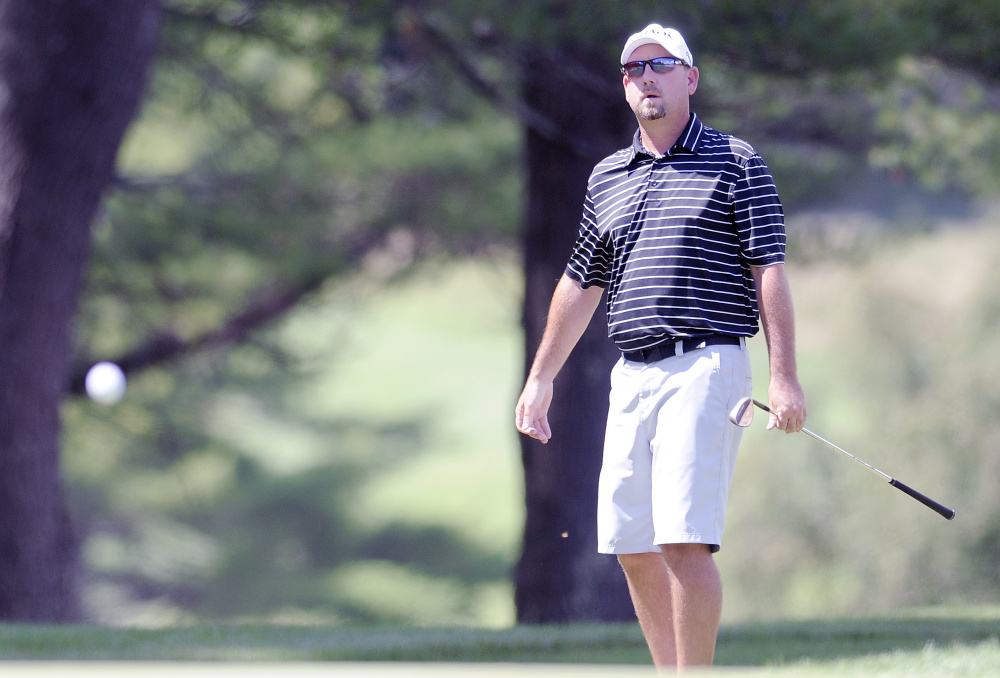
column 689, row 140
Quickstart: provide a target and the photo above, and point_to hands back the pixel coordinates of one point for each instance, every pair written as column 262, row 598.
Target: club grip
column 926, row 501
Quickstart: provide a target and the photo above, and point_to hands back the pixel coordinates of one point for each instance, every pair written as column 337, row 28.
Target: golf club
column 742, row 416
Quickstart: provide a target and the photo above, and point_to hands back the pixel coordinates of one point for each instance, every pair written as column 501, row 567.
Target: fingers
column 536, row 427
column 788, row 405
column 531, row 415
column 539, row 430
column 789, row 418
column 788, row 424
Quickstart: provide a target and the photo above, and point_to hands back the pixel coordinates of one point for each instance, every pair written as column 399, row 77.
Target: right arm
column 569, row 314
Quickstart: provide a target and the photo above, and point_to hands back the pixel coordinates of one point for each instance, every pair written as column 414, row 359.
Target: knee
column 634, row 562
column 676, row 554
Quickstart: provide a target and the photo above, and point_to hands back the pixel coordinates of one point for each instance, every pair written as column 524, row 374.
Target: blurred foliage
column 899, row 362
column 296, row 156
column 324, row 472
column 942, row 125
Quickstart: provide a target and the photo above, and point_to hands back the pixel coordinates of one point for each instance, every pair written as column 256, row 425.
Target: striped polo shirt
column 672, row 238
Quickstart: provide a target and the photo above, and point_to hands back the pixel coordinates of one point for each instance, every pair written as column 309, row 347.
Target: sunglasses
column 635, row 69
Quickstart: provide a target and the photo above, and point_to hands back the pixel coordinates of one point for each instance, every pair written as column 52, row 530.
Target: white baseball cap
column 655, row 34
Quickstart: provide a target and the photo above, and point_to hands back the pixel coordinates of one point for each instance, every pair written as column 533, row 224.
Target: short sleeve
column 759, row 217
column 590, row 262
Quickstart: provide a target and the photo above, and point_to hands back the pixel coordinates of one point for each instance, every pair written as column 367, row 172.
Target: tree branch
column 166, row 346
column 270, row 305
column 531, row 118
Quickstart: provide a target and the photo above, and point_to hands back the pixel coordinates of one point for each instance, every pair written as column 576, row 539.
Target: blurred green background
column 378, row 481
column 354, row 460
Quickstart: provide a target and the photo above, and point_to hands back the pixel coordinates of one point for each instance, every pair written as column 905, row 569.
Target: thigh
column 694, row 446
column 624, row 509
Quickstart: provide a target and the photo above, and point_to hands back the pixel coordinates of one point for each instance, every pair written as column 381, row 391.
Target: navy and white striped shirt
column 672, row 238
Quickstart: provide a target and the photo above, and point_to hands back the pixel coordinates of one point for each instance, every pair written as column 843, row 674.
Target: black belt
column 675, row 347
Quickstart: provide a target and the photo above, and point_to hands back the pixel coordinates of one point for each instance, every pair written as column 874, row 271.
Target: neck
column 659, row 136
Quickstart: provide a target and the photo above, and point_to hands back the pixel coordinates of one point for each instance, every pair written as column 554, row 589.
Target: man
column 685, row 231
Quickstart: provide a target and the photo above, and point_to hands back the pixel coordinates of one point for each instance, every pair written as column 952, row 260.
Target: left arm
column 774, row 299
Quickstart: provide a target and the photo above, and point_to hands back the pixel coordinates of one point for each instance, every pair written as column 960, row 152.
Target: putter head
column 742, row 412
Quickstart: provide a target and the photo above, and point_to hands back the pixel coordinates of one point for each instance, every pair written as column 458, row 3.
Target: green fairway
column 920, row 645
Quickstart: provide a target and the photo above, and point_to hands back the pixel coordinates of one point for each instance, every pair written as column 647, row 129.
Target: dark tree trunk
column 560, row 576
column 71, row 77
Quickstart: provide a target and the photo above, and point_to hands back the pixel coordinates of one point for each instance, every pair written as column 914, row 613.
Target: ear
column 692, row 75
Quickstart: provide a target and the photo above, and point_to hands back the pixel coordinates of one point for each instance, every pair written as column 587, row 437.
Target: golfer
column 685, row 231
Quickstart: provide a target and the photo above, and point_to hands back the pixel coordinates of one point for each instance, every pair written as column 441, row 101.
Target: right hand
column 531, row 417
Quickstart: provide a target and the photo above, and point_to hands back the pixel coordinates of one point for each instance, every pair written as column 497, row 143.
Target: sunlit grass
column 950, row 644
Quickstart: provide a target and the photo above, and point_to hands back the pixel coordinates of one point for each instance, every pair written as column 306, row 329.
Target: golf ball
column 105, row 383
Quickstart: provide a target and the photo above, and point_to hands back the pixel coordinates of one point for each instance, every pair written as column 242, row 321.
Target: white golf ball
column 105, row 383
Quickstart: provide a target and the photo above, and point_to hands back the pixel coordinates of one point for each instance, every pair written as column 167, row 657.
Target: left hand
column 788, row 406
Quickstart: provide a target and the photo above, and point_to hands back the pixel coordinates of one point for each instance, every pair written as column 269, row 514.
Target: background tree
column 293, row 148
column 559, row 576
column 303, row 151
column 71, row 77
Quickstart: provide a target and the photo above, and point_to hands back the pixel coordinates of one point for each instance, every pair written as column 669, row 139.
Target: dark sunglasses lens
column 635, row 69
column 661, row 65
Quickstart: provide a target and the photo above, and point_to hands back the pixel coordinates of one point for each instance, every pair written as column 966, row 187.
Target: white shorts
column 670, row 450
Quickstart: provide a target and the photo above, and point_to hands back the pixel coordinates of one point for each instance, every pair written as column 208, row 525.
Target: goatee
column 652, row 110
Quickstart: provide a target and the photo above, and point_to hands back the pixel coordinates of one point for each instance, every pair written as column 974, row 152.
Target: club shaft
column 902, row 487
column 881, row 474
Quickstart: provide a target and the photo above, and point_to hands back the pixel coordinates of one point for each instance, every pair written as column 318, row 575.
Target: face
column 656, row 95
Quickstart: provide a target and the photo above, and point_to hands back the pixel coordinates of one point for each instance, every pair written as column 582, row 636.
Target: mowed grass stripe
column 613, row 643
column 947, row 646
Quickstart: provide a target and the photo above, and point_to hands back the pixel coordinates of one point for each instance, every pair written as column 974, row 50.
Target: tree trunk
column 71, row 77
column 560, row 577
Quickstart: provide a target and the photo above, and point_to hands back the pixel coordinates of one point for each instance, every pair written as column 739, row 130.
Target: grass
column 940, row 644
